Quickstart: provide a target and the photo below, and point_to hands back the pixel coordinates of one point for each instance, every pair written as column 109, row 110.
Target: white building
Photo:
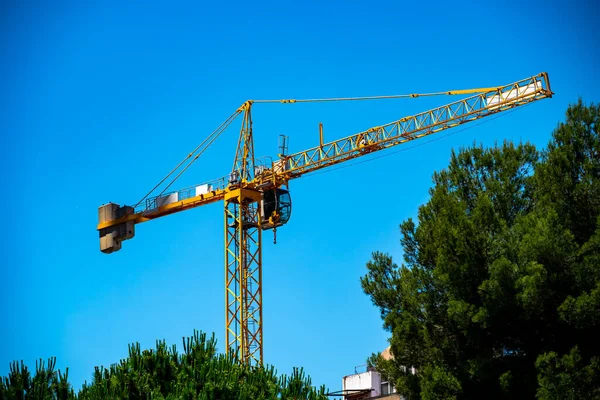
column 369, row 384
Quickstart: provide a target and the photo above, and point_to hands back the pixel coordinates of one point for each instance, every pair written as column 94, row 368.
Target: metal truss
column 417, row 126
column 243, row 276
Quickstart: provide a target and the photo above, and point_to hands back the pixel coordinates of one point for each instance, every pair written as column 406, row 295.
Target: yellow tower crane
column 256, row 196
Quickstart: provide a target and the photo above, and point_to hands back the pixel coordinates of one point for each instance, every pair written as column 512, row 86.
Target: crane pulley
column 256, row 197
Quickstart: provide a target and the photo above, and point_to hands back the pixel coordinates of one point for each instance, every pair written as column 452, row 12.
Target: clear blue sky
column 99, row 101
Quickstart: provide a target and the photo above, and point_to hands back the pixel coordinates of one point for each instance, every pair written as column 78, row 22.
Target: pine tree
column 499, row 292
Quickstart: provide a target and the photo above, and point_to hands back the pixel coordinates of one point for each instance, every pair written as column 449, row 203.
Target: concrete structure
column 369, row 384
column 366, row 385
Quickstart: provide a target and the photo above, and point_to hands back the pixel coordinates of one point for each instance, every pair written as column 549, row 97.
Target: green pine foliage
column 198, row 373
column 499, row 292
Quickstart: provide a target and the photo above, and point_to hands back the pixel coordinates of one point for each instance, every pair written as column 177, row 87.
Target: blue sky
column 100, row 101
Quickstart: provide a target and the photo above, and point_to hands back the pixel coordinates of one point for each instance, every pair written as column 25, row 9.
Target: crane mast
column 243, row 255
column 255, row 200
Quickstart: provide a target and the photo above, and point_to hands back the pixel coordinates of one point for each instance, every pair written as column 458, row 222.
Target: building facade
column 369, row 384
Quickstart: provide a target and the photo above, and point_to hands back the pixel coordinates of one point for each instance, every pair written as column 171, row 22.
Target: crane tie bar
column 396, row 96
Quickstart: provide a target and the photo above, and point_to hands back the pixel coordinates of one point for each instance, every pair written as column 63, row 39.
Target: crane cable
column 202, row 147
column 395, row 96
column 217, row 132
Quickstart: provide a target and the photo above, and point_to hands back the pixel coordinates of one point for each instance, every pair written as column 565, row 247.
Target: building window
column 387, row 388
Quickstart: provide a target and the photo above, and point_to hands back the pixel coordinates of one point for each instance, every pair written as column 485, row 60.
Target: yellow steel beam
column 192, row 202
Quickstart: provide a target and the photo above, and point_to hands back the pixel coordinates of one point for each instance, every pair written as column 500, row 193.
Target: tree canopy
column 499, row 292
column 199, row 372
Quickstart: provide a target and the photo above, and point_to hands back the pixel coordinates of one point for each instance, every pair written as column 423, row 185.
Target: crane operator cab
column 275, row 208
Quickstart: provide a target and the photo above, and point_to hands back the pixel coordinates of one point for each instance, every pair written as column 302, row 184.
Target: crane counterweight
column 111, row 237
